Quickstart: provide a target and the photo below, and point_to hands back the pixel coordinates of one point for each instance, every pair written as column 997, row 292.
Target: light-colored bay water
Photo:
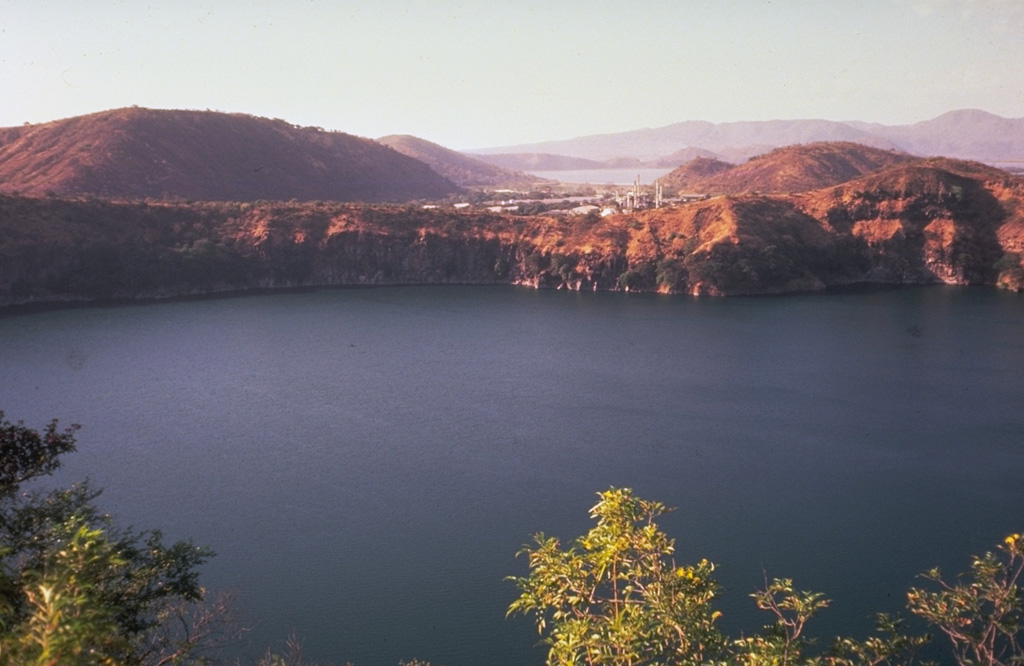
column 366, row 463
column 605, row 176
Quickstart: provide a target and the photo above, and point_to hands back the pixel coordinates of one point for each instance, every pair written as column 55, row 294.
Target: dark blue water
column 367, row 462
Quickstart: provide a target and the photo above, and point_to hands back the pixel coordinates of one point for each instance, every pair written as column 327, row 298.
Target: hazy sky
column 480, row 73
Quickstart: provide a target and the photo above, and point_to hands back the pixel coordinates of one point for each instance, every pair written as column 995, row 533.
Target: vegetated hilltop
column 790, row 169
column 915, row 222
column 966, row 134
column 138, row 153
column 460, row 169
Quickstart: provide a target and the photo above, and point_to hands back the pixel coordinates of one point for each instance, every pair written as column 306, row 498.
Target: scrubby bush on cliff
column 630, row 280
column 563, row 267
column 534, row 264
column 670, row 275
column 1010, row 272
column 616, row 597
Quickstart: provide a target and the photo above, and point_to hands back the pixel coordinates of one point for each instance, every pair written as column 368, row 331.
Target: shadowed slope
column 461, row 169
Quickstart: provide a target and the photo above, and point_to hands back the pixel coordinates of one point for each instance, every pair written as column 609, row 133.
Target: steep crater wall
column 920, row 227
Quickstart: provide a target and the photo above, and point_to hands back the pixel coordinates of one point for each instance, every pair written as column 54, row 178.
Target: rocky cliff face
column 934, row 220
column 918, row 222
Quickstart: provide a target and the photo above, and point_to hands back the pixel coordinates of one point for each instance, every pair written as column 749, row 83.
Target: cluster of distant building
column 633, row 199
column 637, row 199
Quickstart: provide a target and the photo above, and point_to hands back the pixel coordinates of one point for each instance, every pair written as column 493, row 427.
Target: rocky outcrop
column 929, row 221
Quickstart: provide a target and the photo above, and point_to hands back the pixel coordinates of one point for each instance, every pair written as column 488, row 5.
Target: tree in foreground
column 75, row 588
column 615, row 597
column 982, row 612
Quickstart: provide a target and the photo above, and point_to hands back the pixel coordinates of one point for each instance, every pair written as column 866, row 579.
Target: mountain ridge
column 964, row 133
column 463, row 170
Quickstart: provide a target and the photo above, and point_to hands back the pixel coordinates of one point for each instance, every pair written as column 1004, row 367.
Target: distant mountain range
column 540, row 161
column 135, row 153
column 203, row 155
column 461, row 169
column 965, row 134
column 533, row 162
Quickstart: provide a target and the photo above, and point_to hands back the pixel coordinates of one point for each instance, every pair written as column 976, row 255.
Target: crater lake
column 367, row 462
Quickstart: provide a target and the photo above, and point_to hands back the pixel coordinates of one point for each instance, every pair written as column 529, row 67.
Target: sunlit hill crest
column 138, row 153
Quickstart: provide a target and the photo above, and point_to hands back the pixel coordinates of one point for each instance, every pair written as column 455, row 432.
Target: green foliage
column 750, row 268
column 982, row 612
column 1008, row 261
column 616, row 596
column 890, row 647
column 75, row 588
column 709, row 268
column 564, row 267
column 25, row 453
column 783, row 642
column 630, row 279
column 671, row 274
column 67, row 622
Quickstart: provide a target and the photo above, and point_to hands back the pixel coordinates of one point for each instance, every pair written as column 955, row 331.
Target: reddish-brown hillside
column 695, row 173
column 925, row 189
column 958, row 222
column 791, row 169
column 459, row 168
column 135, row 153
column 919, row 222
